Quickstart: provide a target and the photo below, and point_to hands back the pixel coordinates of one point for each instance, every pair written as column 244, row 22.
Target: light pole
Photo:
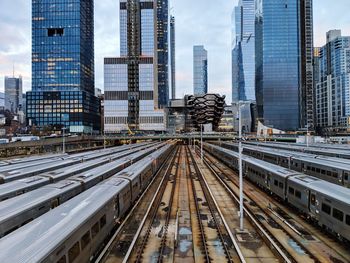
column 240, row 167
column 202, row 142
column 63, row 140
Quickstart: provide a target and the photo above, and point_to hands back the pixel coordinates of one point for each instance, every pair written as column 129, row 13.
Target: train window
column 54, row 203
column 103, row 221
column 85, row 240
column 347, row 220
column 291, row 190
column 323, row 172
column 318, row 170
column 73, row 252
column 95, row 229
column 313, row 199
column 116, row 205
column 280, row 185
column 346, row 177
column 313, row 169
column 276, row 182
column 62, row 259
column 308, row 168
column 329, row 173
column 326, row 208
column 298, row 194
column 337, row 214
column 335, row 175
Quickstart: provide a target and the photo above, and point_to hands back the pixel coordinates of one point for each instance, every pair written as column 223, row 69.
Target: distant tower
column 172, row 55
column 200, row 70
column 13, row 94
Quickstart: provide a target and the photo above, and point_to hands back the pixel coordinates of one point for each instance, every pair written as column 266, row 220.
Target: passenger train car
column 331, row 169
column 326, row 203
column 22, row 209
column 75, row 231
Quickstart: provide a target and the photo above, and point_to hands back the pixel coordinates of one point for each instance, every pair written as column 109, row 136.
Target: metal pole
column 202, row 142
column 63, row 140
column 240, row 169
column 104, row 140
column 307, row 135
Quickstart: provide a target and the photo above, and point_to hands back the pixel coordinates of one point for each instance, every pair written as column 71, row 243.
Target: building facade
column 63, row 67
column 284, row 71
column 200, row 71
column 13, row 94
column 172, row 57
column 133, row 100
column 2, row 101
column 333, row 87
column 243, row 54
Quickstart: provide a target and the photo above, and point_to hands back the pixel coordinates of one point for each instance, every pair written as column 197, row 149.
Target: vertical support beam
column 240, row 169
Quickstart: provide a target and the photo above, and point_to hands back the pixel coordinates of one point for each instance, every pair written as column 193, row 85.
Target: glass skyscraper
column 200, row 71
column 284, row 78
column 133, row 96
column 63, row 66
column 13, row 94
column 243, row 54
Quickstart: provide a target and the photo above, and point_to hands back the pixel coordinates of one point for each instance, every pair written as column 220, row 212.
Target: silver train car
column 325, row 203
column 331, row 169
column 75, row 231
column 18, row 211
column 18, row 187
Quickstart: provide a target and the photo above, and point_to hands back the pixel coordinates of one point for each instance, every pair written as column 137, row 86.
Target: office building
column 63, row 67
column 284, row 71
column 133, row 98
column 333, row 87
column 243, row 54
column 13, row 94
column 172, row 57
column 200, row 71
column 2, row 101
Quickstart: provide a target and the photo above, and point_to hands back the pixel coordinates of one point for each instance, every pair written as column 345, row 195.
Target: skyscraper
column 63, row 66
column 133, row 98
column 172, row 57
column 333, row 87
column 13, row 94
column 284, row 41
column 200, row 71
column 243, row 54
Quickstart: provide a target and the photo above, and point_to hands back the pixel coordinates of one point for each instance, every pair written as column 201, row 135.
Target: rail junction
column 158, row 201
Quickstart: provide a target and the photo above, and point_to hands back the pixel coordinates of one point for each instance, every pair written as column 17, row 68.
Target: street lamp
column 202, row 142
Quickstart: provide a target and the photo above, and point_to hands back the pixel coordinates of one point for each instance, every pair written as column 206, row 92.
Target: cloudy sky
column 204, row 22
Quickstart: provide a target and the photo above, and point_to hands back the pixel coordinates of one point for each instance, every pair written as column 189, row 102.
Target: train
column 332, row 169
column 18, row 211
column 76, row 230
column 18, row 171
column 325, row 203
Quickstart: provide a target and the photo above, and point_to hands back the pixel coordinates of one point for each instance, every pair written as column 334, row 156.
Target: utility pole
column 63, row 140
column 202, row 142
column 240, row 168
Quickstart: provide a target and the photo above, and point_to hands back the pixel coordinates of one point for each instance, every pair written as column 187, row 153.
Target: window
column 347, row 220
column 291, row 190
column 326, row 209
column 95, row 229
column 62, row 259
column 346, row 177
column 298, row 194
column 85, row 240
column 337, row 214
column 313, row 199
column 280, row 185
column 103, row 221
column 335, row 175
column 73, row 252
column 276, row 182
column 54, row 32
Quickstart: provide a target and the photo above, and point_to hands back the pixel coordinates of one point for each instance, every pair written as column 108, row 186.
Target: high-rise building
column 333, row 87
column 13, row 94
column 2, row 101
column 200, row 71
column 284, row 71
column 63, row 66
column 133, row 98
column 172, row 57
column 243, row 54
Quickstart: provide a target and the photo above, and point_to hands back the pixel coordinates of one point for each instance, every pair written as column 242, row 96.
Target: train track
column 121, row 244
column 291, row 235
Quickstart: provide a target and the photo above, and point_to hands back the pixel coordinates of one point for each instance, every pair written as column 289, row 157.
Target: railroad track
column 121, row 244
column 290, row 236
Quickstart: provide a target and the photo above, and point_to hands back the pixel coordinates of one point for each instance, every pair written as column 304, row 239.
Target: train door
column 268, row 181
column 312, row 203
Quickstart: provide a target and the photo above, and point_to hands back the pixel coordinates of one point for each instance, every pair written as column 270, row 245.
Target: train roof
column 331, row 190
column 35, row 240
column 18, row 204
column 21, row 184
